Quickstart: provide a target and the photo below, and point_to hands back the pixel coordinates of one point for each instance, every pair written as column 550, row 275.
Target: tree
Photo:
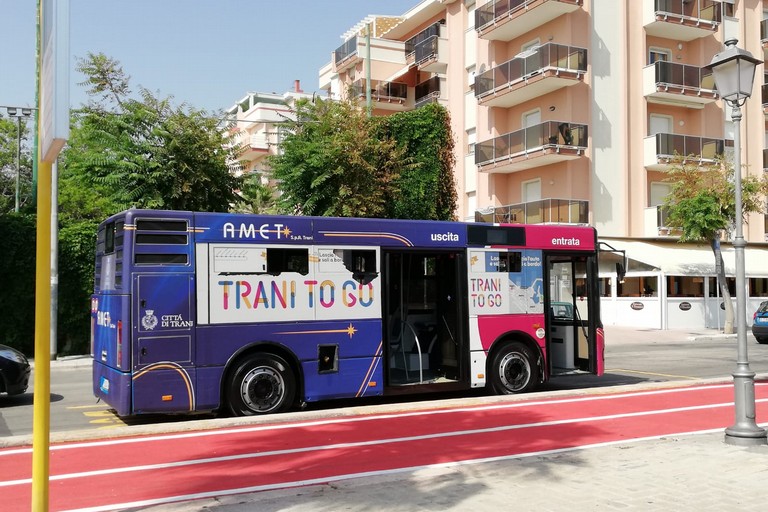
column 338, row 161
column 702, row 205
column 9, row 140
column 332, row 165
column 147, row 153
column 256, row 196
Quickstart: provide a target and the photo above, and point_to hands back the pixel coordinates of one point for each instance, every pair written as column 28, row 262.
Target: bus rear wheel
column 513, row 369
column 261, row 384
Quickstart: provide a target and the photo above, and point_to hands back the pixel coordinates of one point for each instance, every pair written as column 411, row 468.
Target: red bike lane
column 118, row 473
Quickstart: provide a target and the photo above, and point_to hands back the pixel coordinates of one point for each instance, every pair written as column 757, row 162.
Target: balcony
column 428, row 49
column 655, row 223
column 660, row 150
column 344, row 53
column 764, row 37
column 504, row 20
column 764, row 93
column 386, row 51
column 431, row 91
column 681, row 20
column 678, row 84
column 535, row 146
column 531, row 74
column 384, row 95
column 431, row 55
column 544, row 211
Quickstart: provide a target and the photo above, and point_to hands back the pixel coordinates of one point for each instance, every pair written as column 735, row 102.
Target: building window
column 758, row 287
column 685, row 286
column 644, row 286
column 714, row 287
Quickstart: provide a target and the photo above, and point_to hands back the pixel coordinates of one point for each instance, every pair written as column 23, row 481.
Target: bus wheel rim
column 514, row 371
column 262, row 389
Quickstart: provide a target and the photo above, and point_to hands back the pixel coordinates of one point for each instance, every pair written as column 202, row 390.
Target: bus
column 246, row 314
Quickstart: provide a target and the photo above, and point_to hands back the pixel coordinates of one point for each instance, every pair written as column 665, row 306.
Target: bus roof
column 301, row 230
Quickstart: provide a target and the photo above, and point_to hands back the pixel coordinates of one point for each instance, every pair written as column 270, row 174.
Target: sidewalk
column 685, row 473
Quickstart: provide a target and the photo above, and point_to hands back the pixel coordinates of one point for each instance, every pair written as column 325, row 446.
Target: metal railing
column 488, row 13
column 709, row 10
column 683, row 75
column 549, row 55
column 706, row 148
column 382, row 91
column 431, row 31
column 427, row 91
column 544, row 211
column 345, row 50
column 551, row 133
column 426, row 50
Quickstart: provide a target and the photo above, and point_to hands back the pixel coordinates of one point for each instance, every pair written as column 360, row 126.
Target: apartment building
column 568, row 111
column 255, row 121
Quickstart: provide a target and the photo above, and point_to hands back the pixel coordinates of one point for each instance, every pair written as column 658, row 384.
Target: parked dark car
column 14, row 371
column 760, row 323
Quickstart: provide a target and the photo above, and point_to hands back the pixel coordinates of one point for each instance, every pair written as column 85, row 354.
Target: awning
column 673, row 258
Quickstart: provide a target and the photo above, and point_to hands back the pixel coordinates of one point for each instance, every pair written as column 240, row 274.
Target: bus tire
column 513, row 369
column 261, row 384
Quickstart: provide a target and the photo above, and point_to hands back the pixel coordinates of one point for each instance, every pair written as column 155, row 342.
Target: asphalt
column 686, row 472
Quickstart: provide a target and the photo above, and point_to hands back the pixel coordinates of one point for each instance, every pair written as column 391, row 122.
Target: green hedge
column 17, row 284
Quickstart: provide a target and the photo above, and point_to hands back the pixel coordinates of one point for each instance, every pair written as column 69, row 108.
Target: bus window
column 281, row 260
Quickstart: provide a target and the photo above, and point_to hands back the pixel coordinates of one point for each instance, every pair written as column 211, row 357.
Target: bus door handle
column 143, row 351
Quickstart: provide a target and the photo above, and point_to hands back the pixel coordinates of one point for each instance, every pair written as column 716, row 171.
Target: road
column 632, row 357
column 170, row 467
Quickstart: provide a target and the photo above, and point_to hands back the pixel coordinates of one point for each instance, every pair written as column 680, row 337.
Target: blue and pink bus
column 253, row 314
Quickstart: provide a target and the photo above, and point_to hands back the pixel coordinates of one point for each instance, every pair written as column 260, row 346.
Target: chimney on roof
column 297, row 86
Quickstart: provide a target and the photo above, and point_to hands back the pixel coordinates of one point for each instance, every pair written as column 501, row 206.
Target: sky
column 206, row 53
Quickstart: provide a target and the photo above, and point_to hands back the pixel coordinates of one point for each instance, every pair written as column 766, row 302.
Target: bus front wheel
column 261, row 384
column 513, row 369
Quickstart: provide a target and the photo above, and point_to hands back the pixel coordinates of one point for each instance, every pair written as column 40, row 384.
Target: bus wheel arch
column 514, row 366
column 260, row 380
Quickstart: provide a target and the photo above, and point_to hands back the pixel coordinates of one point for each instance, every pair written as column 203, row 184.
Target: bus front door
column 571, row 343
column 422, row 315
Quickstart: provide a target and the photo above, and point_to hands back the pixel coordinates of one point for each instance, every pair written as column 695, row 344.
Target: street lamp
column 734, row 73
column 18, row 113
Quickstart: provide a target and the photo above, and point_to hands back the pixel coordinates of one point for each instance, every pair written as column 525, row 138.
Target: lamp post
column 18, row 113
column 734, row 73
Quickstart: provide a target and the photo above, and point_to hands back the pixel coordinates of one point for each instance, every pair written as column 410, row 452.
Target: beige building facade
column 568, row 111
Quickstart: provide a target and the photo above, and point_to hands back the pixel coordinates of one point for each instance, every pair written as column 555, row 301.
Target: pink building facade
column 567, row 111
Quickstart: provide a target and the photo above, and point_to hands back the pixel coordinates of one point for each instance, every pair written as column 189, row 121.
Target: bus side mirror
column 620, row 272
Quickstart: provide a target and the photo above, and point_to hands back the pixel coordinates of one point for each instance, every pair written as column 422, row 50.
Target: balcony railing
column 671, row 144
column 682, row 20
column 427, row 91
column 707, row 10
column 544, row 211
column 683, row 75
column 382, row 91
column 665, row 82
column 426, row 49
column 661, row 149
column 345, row 50
column 431, row 31
column 548, row 56
column 537, row 137
column 499, row 9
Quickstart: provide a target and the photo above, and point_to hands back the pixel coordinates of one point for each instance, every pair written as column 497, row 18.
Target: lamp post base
column 739, row 437
column 745, row 431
